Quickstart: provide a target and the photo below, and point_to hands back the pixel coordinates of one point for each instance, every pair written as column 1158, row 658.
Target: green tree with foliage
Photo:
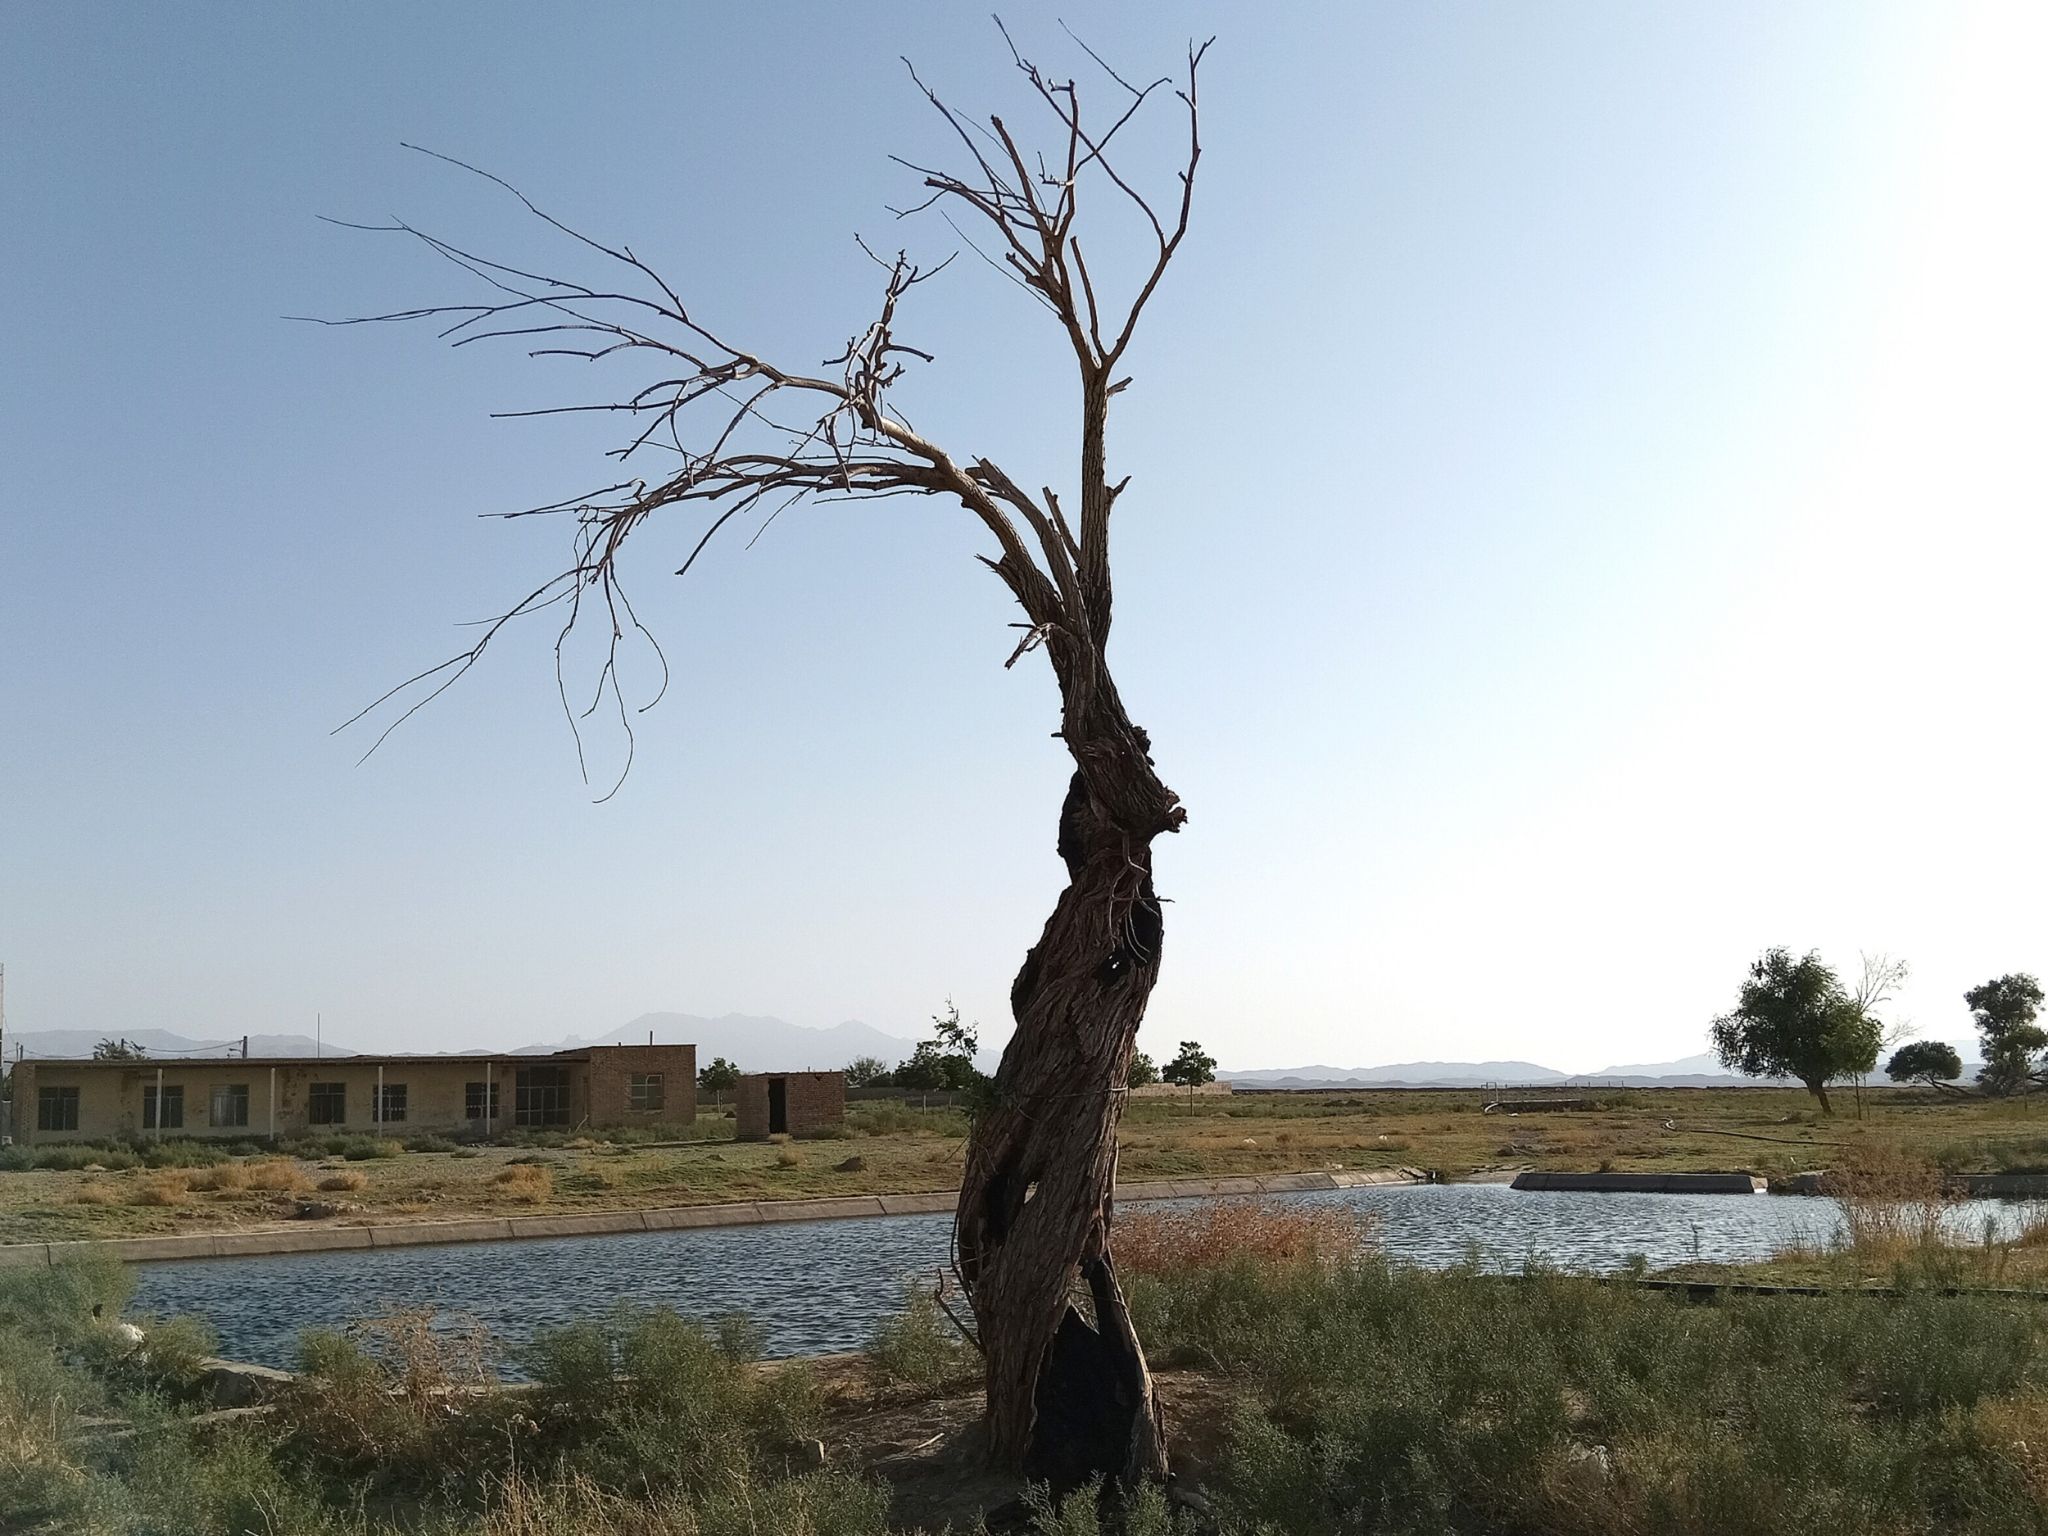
column 922, row 1073
column 1190, row 1069
column 718, row 1078
column 867, row 1072
column 1793, row 1018
column 118, row 1050
column 944, row 1063
column 2004, row 1009
column 1933, row 1062
column 1144, row 1071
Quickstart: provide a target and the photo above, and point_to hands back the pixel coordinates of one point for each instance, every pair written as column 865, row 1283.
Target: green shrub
column 885, row 1117
column 429, row 1143
column 1087, row 1513
column 643, row 1396
column 820, row 1504
column 740, row 1338
column 1383, row 1399
column 639, row 1424
column 69, row 1157
column 56, row 1304
column 183, row 1152
column 17, row 1159
column 920, row 1348
column 362, row 1149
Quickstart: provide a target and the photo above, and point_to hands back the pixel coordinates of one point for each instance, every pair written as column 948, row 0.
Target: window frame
column 153, row 1104
column 540, row 1096
column 57, row 1102
column 236, row 1096
column 481, row 1100
column 327, row 1103
column 646, row 1093
column 391, row 1101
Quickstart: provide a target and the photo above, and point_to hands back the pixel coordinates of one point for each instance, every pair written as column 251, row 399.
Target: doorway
column 778, row 1106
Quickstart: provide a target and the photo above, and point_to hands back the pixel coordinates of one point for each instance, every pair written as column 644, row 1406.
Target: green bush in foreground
column 636, row 1423
column 1367, row 1398
column 1379, row 1399
column 920, row 1348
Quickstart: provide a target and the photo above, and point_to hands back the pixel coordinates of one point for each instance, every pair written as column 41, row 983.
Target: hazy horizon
column 1585, row 528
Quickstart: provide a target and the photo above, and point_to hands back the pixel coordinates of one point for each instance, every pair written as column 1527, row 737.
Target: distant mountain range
column 1407, row 1074
column 160, row 1042
column 1702, row 1071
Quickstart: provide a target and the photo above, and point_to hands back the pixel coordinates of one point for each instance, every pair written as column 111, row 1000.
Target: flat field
column 890, row 1148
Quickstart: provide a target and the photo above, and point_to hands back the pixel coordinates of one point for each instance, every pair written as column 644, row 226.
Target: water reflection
column 820, row 1286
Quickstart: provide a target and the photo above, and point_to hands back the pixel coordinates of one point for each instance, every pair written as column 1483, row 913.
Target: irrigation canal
column 820, row 1286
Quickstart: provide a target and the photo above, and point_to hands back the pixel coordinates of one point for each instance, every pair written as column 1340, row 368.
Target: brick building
column 591, row 1087
column 773, row 1103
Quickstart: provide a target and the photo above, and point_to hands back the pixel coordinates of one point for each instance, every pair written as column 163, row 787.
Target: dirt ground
column 929, row 1451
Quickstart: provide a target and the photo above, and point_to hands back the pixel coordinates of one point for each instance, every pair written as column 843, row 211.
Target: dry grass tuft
column 278, row 1174
column 2019, row 1427
column 525, row 1181
column 275, row 1174
column 1894, row 1205
column 344, row 1183
column 788, row 1157
column 1209, row 1236
column 167, row 1186
column 93, row 1192
column 2032, row 1232
column 220, row 1178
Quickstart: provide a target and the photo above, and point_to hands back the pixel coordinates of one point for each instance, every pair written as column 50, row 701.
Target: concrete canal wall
column 483, row 1229
column 1647, row 1183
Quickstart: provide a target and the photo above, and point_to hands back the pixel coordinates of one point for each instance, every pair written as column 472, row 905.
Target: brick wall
column 813, row 1099
column 608, row 1098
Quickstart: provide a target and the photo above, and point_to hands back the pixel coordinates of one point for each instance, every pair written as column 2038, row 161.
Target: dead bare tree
column 1069, row 1394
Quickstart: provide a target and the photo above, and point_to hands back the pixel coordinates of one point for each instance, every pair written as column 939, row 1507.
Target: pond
column 819, row 1286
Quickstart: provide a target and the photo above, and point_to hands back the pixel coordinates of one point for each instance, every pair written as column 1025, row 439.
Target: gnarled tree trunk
column 1069, row 1395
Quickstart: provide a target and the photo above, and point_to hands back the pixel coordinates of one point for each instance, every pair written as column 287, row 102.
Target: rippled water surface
column 817, row 1286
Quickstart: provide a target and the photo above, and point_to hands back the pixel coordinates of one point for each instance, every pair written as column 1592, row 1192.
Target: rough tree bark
column 1069, row 1395
column 1070, row 1398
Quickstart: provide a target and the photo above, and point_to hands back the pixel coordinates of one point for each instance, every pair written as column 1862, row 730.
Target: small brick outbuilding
column 777, row 1103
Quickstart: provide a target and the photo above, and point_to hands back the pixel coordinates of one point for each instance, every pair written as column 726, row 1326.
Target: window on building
column 165, row 1112
column 540, row 1096
column 643, row 1090
column 56, row 1109
column 230, row 1104
column 391, row 1102
column 480, row 1100
column 327, row 1104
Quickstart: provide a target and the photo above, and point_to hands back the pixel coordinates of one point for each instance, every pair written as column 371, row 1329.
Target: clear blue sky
column 1586, row 526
